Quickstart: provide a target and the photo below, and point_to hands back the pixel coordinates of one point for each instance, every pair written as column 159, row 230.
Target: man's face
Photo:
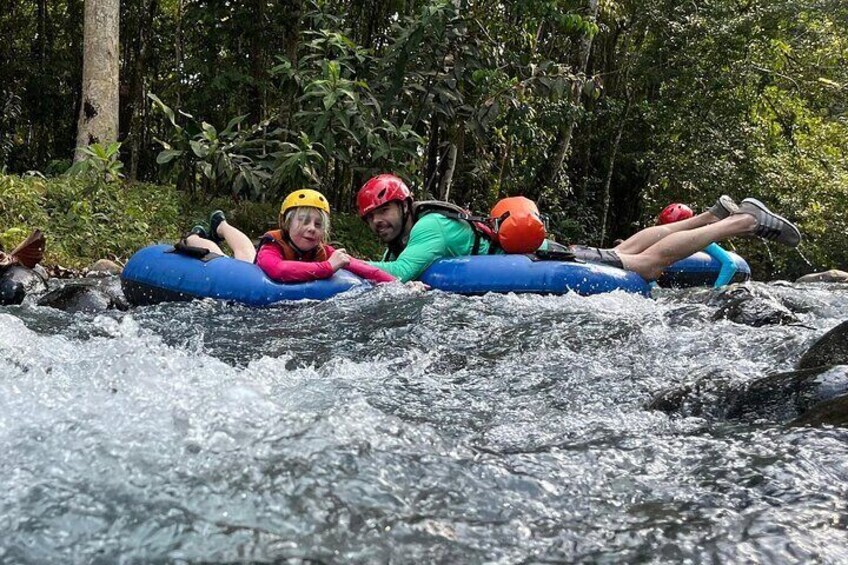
column 386, row 221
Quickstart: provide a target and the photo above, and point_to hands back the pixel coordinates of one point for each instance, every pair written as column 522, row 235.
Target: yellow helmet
column 305, row 197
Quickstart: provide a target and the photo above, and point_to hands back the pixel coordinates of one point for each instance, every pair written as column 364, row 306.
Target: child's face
column 307, row 229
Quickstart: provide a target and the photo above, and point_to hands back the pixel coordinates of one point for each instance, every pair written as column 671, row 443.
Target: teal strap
column 728, row 265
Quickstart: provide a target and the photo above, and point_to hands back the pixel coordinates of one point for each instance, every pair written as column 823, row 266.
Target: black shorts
column 596, row 255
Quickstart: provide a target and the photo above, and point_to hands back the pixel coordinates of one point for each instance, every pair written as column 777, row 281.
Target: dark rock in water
column 744, row 306
column 830, row 349
column 781, row 397
column 832, row 412
column 815, row 394
column 86, row 295
column 16, row 282
column 831, row 276
column 700, row 399
column 103, row 267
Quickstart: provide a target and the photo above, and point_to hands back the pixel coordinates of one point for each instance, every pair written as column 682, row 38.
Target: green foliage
column 233, row 161
column 353, row 111
column 85, row 220
column 100, row 163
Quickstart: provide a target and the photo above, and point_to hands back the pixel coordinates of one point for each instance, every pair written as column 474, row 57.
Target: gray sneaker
column 724, row 207
column 770, row 226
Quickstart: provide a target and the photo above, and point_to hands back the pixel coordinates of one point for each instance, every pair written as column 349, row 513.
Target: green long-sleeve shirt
column 434, row 236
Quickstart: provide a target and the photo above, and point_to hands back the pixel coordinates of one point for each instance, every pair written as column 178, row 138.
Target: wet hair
column 287, row 219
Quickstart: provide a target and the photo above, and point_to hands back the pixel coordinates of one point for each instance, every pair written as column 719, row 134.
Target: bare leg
column 651, row 262
column 196, row 241
column 240, row 244
column 642, row 240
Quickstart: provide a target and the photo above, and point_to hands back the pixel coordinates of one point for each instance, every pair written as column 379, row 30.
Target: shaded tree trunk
column 447, row 177
column 138, row 86
column 431, row 170
column 98, row 116
column 178, row 53
column 608, row 181
column 256, row 92
column 559, row 150
column 287, row 106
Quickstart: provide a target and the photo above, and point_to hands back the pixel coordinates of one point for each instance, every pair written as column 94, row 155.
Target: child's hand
column 339, row 259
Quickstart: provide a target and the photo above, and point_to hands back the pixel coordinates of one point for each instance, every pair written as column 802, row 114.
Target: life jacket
column 290, row 252
column 481, row 225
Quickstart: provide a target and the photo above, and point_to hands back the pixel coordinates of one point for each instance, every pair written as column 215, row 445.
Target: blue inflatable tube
column 158, row 274
column 701, row 270
column 522, row 273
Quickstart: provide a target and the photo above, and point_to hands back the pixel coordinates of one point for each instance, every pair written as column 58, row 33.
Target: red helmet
column 674, row 213
column 380, row 190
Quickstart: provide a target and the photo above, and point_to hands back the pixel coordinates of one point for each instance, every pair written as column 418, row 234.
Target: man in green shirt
column 386, row 205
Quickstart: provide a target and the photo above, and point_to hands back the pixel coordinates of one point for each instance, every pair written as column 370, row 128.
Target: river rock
column 86, row 295
column 832, row 412
column 699, row 399
column 18, row 281
column 831, row 276
column 830, row 349
column 780, row 397
column 745, row 306
column 103, row 267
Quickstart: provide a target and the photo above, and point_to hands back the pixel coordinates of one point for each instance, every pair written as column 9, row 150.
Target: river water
column 390, row 426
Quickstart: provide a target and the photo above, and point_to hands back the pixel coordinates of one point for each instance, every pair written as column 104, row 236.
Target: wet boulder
column 831, row 276
column 742, row 305
column 832, row 412
column 830, row 349
column 783, row 397
column 780, row 397
column 815, row 394
column 700, row 399
column 86, row 295
column 17, row 281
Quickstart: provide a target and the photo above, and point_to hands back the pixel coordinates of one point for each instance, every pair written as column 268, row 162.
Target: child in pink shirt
column 297, row 252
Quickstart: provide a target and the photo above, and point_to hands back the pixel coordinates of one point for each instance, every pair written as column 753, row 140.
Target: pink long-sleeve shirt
column 271, row 260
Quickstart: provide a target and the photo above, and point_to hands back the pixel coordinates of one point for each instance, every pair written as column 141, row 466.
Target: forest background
column 603, row 111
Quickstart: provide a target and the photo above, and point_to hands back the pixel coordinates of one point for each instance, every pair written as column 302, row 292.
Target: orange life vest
column 276, row 237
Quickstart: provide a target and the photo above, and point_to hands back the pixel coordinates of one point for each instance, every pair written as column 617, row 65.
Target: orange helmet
column 520, row 226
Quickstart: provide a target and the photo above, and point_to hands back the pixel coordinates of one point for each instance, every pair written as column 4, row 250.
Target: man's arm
column 426, row 243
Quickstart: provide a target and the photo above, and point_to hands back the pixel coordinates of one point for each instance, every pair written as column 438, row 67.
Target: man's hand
column 417, row 286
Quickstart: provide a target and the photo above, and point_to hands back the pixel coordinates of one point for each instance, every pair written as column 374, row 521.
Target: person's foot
column 199, row 230
column 770, row 226
column 215, row 220
column 724, row 207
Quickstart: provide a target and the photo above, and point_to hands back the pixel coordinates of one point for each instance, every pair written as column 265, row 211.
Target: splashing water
column 386, row 426
column 803, row 257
